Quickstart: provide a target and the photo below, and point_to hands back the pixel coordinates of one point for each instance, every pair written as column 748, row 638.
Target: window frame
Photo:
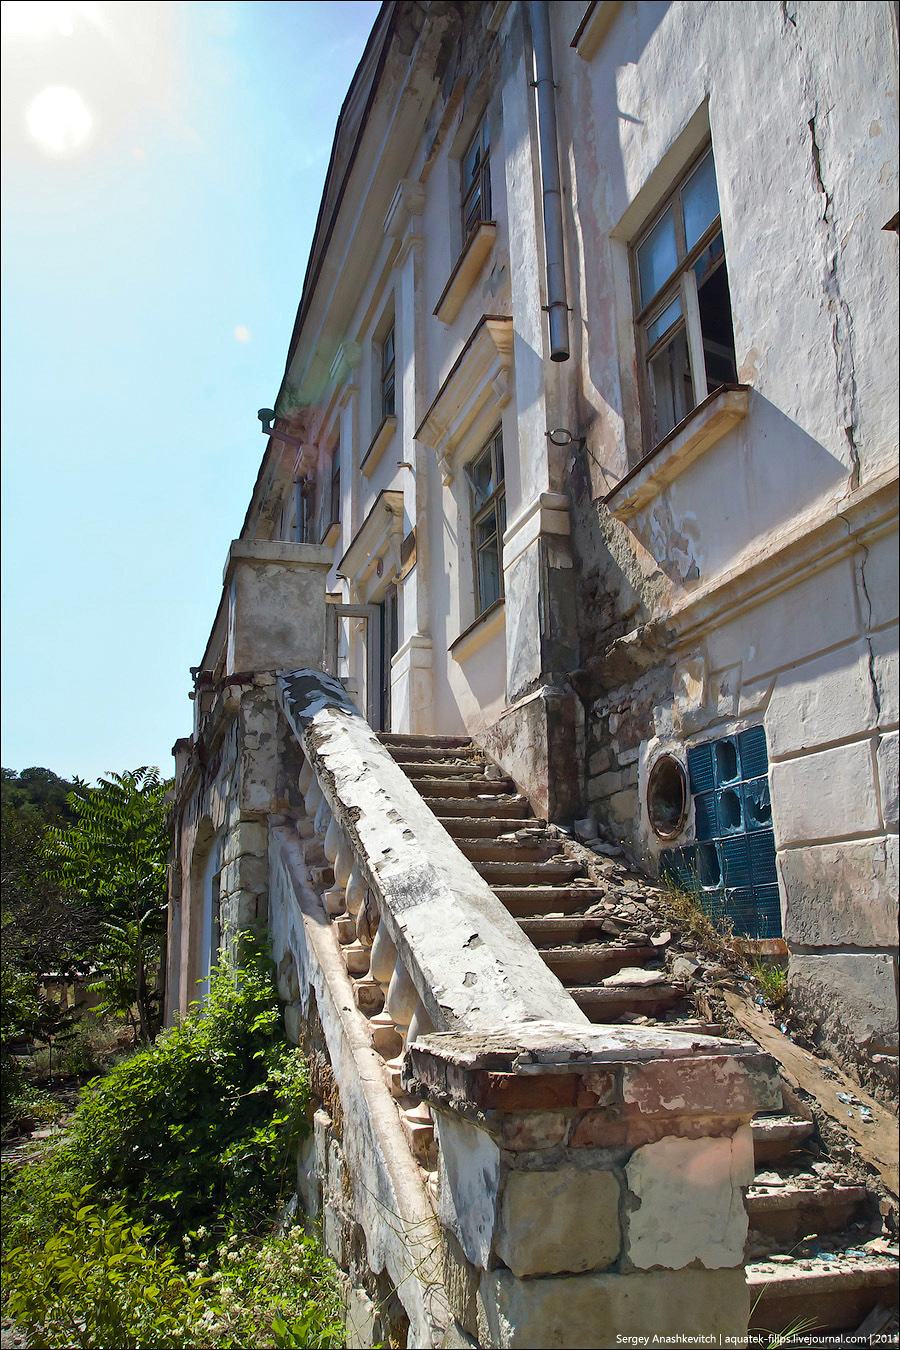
column 478, row 187
column 679, row 286
column 493, row 504
column 388, row 378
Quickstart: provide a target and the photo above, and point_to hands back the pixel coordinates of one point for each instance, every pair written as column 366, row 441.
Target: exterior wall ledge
column 276, row 551
column 547, row 514
column 698, row 432
column 816, row 541
column 477, row 634
column 469, row 264
column 379, row 443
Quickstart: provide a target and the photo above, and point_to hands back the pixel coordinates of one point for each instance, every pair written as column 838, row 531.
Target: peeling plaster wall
column 769, row 561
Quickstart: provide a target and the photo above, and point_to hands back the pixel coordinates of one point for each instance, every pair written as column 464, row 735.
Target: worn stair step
column 508, row 873
column 503, row 807
column 608, row 1005
column 821, row 1296
column 532, row 902
column 777, row 1136
column 506, row 850
column 444, row 769
column 500, row 788
column 482, row 827
column 392, row 738
column 561, row 930
column 427, row 754
column 790, row 1213
column 583, row 965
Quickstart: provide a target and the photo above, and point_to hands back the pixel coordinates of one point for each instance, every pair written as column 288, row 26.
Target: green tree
column 111, row 860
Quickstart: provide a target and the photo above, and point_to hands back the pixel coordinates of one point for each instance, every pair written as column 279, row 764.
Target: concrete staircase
column 607, row 938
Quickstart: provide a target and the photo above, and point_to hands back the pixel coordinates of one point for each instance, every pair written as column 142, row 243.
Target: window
column 476, row 181
column 731, row 867
column 388, row 365
column 335, row 491
column 485, row 475
column 684, row 328
column 330, row 501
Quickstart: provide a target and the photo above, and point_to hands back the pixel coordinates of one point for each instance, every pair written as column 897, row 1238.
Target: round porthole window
column 667, row 797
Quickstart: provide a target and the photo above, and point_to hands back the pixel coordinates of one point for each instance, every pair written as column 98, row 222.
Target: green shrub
column 204, row 1124
column 96, row 1281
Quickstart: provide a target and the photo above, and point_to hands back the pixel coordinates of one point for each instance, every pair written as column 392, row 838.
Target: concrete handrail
column 470, row 964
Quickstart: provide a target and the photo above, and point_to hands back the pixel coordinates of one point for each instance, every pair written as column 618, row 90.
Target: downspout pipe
column 557, row 300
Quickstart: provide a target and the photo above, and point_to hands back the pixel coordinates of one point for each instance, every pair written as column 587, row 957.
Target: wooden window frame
column 479, row 185
column 388, row 401
column 680, row 285
column 494, row 504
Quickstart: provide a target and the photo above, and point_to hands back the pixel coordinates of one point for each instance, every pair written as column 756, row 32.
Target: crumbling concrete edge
column 396, row 1215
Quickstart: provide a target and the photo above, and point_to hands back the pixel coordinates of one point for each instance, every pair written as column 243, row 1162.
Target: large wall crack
column 842, row 336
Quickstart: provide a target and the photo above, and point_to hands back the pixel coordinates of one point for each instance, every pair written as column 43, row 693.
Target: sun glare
column 39, row 18
column 59, row 120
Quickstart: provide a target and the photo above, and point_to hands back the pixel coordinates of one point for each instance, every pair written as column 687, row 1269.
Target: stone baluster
column 400, row 1004
column 382, row 962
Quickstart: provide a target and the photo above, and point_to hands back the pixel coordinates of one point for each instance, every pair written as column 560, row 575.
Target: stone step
column 447, row 769
column 591, row 963
column 528, row 873
column 562, row 930
column 776, row 1136
column 410, row 754
column 506, row 850
column 818, row 1295
column 790, row 1213
column 538, row 901
column 504, row 807
column 501, row 788
column 483, row 827
column 390, row 739
column 608, row 1005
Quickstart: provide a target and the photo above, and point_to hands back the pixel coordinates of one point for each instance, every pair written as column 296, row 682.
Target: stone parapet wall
column 591, row 1183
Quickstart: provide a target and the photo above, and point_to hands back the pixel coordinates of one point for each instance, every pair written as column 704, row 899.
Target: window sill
column 462, row 278
column 693, row 436
column 478, row 633
column 331, row 533
column 594, row 26
column 378, row 445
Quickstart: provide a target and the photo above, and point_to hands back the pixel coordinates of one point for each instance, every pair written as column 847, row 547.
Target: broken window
column 684, row 328
column 486, row 480
column 731, row 867
column 476, row 181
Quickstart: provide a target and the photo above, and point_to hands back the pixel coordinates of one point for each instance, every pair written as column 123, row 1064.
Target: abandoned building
column 578, row 503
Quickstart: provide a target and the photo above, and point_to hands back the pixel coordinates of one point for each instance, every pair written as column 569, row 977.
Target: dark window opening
column 388, row 371
column 683, row 305
column 476, row 180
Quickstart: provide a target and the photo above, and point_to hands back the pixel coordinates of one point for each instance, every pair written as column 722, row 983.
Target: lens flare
column 59, row 121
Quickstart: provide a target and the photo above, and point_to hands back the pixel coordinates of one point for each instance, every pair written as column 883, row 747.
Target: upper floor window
column 388, row 371
column 684, row 328
column 335, row 486
column 486, row 479
column 476, row 180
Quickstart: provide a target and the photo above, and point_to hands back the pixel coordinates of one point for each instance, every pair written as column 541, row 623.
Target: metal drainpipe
column 557, row 301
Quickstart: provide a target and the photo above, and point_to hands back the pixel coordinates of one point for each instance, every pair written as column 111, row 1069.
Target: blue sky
column 156, row 223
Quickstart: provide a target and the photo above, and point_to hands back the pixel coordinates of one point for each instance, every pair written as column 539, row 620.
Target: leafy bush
column 97, row 1281
column 139, row 1229
column 203, row 1123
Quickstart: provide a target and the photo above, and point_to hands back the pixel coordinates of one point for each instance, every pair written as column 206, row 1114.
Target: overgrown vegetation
column 150, row 1223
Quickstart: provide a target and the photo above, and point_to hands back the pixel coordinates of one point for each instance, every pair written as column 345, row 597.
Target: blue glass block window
column 731, row 867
